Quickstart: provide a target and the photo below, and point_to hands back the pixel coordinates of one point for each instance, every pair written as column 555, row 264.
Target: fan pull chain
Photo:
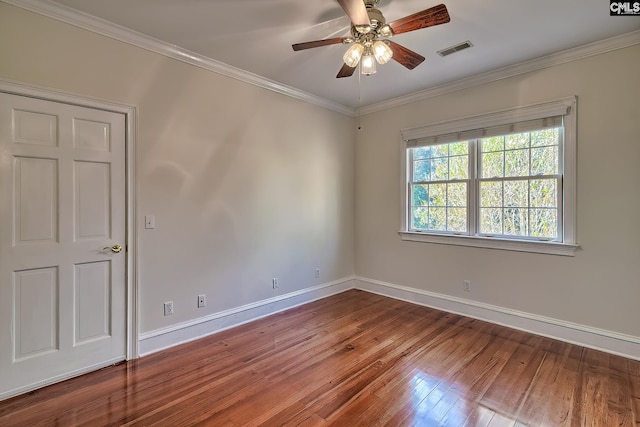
column 359, row 98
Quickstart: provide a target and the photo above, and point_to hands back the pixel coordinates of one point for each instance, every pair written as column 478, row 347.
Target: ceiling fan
column 369, row 36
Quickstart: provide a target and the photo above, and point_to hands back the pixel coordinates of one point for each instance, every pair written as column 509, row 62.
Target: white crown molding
column 569, row 55
column 100, row 26
column 79, row 19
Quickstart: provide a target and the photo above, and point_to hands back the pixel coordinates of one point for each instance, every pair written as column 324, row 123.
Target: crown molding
column 557, row 58
column 91, row 23
column 79, row 19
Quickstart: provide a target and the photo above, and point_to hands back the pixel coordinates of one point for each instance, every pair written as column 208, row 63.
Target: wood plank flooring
column 353, row 359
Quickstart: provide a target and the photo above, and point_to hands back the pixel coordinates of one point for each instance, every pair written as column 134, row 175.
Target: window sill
column 551, row 248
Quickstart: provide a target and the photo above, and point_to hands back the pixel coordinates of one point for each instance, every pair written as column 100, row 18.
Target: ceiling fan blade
column 316, row 43
column 404, row 56
column 356, row 11
column 345, row 71
column 427, row 18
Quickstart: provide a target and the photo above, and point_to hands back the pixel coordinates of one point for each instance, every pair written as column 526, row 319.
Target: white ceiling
column 256, row 36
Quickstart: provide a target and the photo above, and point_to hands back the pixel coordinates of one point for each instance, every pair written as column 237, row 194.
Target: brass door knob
column 115, row 248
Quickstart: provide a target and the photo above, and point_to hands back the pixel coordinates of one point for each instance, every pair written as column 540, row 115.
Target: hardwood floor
column 353, row 359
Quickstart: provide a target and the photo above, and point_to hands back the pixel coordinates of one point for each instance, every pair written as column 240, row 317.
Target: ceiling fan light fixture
column 370, row 36
column 368, row 63
column 353, row 54
column 382, row 52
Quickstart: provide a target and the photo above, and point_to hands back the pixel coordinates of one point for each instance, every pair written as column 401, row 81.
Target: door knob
column 115, row 248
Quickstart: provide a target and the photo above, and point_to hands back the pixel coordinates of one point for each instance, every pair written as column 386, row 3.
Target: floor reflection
column 438, row 402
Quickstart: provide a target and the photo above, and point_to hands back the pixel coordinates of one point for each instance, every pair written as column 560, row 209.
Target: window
column 503, row 180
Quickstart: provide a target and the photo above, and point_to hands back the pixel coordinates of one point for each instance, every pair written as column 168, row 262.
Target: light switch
column 149, row 222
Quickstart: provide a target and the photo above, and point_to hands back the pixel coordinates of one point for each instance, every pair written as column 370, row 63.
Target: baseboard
column 160, row 339
column 586, row 336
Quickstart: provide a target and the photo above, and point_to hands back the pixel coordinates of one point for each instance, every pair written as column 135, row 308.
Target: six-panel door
column 62, row 206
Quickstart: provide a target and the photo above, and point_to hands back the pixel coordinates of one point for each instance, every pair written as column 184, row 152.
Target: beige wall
column 600, row 286
column 245, row 184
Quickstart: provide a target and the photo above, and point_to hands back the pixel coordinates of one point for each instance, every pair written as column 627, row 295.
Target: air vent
column 454, row 49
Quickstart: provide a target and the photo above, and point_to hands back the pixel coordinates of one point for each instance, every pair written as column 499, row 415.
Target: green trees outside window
column 515, row 179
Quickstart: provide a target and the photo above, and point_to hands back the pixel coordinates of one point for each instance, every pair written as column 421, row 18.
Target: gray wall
column 600, row 286
column 245, row 184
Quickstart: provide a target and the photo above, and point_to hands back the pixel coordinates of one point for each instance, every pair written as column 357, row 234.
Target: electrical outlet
column 274, row 281
column 466, row 285
column 168, row 308
column 202, row 300
column 317, row 273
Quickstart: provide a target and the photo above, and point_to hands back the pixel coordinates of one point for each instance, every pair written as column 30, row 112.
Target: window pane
column 457, row 219
column 544, row 137
column 457, row 194
column 459, row 148
column 516, row 193
column 421, row 153
column 419, row 218
column 495, row 143
column 544, row 161
column 440, row 206
column 491, row 194
column 515, row 141
column 440, row 169
column 421, row 170
column 438, row 195
column 438, row 219
column 544, row 193
column 441, row 150
column 420, row 195
column 516, row 163
column 492, row 165
column 544, row 223
column 515, row 222
column 459, row 167
column 491, row 220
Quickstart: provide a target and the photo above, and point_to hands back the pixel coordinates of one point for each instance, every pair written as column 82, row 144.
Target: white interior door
column 62, row 202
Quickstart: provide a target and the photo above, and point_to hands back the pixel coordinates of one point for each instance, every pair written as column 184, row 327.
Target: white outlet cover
column 168, row 308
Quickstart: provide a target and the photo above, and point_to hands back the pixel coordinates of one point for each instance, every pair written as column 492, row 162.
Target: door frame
column 130, row 113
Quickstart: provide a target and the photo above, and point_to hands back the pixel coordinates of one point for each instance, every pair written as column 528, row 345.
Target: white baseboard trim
column 586, row 336
column 160, row 339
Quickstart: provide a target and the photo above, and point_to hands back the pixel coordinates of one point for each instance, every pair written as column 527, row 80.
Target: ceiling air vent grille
column 454, row 49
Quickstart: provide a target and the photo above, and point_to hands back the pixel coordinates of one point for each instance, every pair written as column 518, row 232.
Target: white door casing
column 63, row 296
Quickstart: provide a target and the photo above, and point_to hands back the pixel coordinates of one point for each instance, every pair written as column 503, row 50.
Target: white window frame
column 565, row 107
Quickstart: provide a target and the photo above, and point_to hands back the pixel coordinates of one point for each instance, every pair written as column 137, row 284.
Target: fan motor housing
column 376, row 18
